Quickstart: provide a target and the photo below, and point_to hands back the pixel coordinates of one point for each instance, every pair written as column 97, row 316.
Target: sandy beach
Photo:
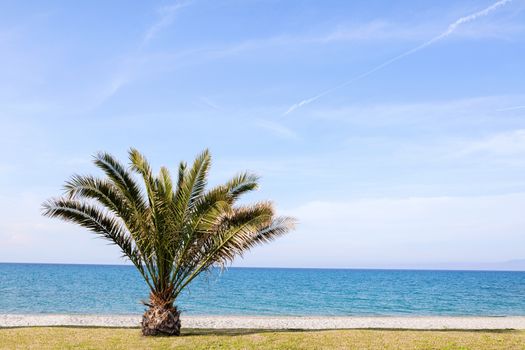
column 274, row 322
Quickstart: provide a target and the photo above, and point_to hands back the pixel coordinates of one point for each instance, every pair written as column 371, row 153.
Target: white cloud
column 386, row 232
column 466, row 110
column 510, row 143
column 277, row 129
column 366, row 232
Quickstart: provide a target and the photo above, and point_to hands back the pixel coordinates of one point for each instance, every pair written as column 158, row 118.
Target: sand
column 274, row 322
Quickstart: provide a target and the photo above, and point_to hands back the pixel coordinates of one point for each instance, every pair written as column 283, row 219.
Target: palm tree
column 171, row 232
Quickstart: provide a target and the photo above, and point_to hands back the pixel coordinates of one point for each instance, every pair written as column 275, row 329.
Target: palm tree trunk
column 161, row 320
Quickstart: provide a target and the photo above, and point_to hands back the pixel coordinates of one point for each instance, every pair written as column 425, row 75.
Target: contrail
column 167, row 16
column 451, row 29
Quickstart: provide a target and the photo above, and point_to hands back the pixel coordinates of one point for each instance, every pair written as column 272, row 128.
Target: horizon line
column 296, row 268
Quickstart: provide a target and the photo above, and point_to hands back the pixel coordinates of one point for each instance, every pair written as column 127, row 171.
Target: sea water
column 111, row 289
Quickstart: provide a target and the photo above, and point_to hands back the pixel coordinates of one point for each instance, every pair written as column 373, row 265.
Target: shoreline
column 275, row 322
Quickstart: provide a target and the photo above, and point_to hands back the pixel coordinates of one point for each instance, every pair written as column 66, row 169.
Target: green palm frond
column 101, row 190
column 97, row 220
column 122, row 178
column 240, row 184
column 171, row 231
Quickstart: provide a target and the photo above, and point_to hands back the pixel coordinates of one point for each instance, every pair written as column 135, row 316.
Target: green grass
column 43, row 338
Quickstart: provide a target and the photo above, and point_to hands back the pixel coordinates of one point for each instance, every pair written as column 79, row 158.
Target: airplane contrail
column 451, row 29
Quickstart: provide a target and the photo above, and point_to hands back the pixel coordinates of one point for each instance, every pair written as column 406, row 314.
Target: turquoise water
column 105, row 289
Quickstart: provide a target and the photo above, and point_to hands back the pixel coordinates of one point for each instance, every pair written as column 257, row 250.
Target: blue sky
column 393, row 130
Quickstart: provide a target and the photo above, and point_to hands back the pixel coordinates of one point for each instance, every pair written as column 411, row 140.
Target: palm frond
column 171, row 231
column 96, row 220
column 122, row 179
column 235, row 233
column 240, row 184
column 194, row 183
column 104, row 192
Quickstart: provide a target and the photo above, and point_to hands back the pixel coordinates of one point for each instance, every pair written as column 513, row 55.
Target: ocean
column 112, row 289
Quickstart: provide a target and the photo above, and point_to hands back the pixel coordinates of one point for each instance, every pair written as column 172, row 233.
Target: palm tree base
column 161, row 321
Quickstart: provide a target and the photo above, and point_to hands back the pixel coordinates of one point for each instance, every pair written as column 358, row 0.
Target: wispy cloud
column 465, row 111
column 382, row 30
column 513, row 108
column 450, row 30
column 112, row 87
column 167, row 16
column 133, row 61
column 356, row 32
column 28, row 236
column 277, row 129
column 209, row 103
column 375, row 31
column 413, row 229
column 511, row 143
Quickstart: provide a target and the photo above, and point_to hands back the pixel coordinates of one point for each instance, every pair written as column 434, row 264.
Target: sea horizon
column 49, row 288
column 444, row 269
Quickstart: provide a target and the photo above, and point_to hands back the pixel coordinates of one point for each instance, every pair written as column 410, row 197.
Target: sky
column 394, row 131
